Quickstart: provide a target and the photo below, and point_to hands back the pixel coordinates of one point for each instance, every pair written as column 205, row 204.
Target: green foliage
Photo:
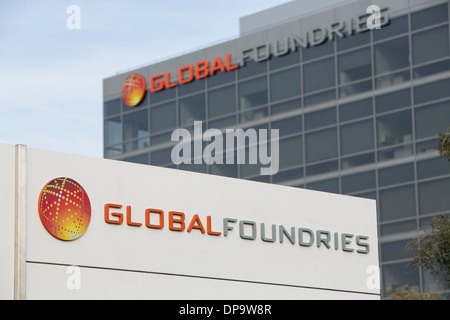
column 433, row 250
column 405, row 293
column 444, row 144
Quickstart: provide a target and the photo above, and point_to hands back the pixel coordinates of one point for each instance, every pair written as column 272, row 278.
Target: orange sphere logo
column 133, row 90
column 64, row 209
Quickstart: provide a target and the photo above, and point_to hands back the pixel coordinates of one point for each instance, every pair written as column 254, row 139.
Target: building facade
column 358, row 110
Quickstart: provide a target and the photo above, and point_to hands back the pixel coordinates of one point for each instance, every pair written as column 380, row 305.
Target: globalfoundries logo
column 133, row 90
column 64, row 208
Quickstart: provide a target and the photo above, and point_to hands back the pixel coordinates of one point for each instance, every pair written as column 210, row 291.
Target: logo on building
column 133, row 90
column 64, row 208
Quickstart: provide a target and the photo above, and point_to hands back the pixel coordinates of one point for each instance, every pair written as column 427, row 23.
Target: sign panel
column 101, row 228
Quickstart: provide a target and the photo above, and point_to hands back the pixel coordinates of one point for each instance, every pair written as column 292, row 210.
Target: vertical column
column 20, row 227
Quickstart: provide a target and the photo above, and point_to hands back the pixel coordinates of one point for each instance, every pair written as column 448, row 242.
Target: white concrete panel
column 7, row 168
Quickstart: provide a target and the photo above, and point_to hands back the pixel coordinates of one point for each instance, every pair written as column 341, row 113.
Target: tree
column 444, row 144
column 433, row 249
column 405, row 293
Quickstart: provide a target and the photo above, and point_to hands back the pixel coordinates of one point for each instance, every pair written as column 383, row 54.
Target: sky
column 51, row 76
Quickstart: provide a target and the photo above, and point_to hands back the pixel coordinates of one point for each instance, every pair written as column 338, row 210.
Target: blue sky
column 51, row 77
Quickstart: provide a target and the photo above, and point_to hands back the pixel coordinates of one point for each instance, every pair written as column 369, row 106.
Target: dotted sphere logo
column 64, row 209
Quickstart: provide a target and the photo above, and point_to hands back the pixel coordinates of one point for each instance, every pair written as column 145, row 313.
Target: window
column 358, row 182
column 161, row 157
column 429, row 17
column 397, row 26
column 221, row 101
column 355, row 65
column 135, row 124
column 113, row 131
column 391, row 55
column 432, row 119
column 432, row 91
column 191, row 87
column 163, row 117
column 320, row 97
column 357, row 137
column 318, row 51
column 397, row 203
column 331, row 185
column 395, row 175
column 399, row 274
column 141, row 159
column 319, row 75
column 392, row 101
column 112, row 107
column 433, row 196
column 291, row 152
column 430, row 45
column 355, row 110
column 252, row 93
column 252, row 68
column 285, row 84
column 320, row 118
column 321, row 145
column 394, row 128
column 192, row 109
column 288, row 126
column 355, row 40
column 432, row 168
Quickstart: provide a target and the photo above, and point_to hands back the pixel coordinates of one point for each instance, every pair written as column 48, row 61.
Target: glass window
column 113, row 131
column 394, row 128
column 432, row 68
column 396, row 26
column 396, row 250
column 331, row 185
column 432, row 168
column 432, row 119
column 357, row 137
column 254, row 114
column 285, row 84
column 392, row 79
column 323, row 167
column 288, row 126
column 141, row 159
column 112, row 107
column 226, row 170
column 113, row 150
column 355, row 88
column 252, row 93
column 397, row 227
column 397, row 203
column 318, row 51
column 396, row 275
column 358, row 182
column 311, row 71
column 433, row 196
column 162, row 95
column 320, row 118
column 358, row 160
column 432, row 91
column 161, row 157
column 252, row 68
column 136, row 144
column 221, row 101
column 192, row 109
column 191, row 87
column 354, row 65
column 163, row 117
column 283, row 176
column 355, row 40
column 320, row 97
column 391, row 55
column 397, row 174
column 429, row 17
column 321, row 145
column 396, row 152
column 355, row 110
column 392, row 101
column 291, row 152
column 286, row 106
column 430, row 45
column 221, row 78
column 135, row 124
column 285, row 60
